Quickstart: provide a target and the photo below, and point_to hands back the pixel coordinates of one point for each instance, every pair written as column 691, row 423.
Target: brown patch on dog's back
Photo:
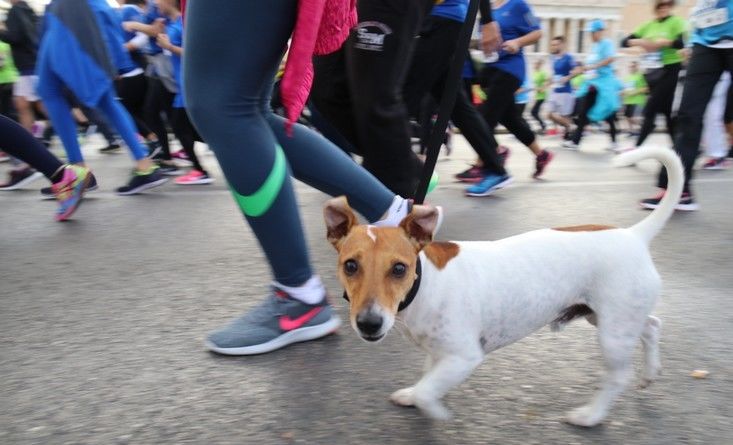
column 584, row 228
column 441, row 252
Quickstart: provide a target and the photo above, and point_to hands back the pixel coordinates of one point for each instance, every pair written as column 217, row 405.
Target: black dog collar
column 413, row 291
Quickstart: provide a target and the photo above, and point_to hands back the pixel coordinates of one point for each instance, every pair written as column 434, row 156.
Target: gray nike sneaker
column 279, row 321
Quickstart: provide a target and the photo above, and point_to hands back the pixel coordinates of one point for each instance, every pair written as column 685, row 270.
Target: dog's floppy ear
column 339, row 220
column 420, row 225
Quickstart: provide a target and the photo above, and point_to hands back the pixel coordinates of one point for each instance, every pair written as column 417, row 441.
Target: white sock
column 310, row 292
column 395, row 214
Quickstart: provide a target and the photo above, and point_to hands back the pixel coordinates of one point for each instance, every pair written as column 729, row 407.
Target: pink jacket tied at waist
column 322, row 27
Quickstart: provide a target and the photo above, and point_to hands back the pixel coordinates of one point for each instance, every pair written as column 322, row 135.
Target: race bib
column 708, row 19
column 652, row 61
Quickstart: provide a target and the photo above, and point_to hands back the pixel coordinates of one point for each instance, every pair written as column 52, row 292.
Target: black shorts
column 630, row 110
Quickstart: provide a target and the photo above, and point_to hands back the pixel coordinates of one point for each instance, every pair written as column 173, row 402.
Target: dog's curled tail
column 650, row 226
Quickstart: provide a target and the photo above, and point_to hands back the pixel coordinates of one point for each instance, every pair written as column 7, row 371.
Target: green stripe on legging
column 260, row 201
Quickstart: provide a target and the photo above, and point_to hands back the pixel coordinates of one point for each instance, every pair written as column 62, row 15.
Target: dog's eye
column 399, row 270
column 350, row 267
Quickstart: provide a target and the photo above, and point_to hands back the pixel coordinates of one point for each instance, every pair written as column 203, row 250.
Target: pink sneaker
column 181, row 157
column 194, row 177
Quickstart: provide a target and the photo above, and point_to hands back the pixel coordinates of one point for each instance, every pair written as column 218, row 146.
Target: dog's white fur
column 492, row 294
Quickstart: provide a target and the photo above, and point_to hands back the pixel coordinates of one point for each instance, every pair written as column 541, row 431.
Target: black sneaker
column 169, row 168
column 111, row 148
column 19, row 178
column 140, row 182
column 687, row 202
column 154, row 149
column 47, row 192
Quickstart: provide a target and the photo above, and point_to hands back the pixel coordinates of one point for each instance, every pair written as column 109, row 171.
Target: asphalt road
column 102, row 320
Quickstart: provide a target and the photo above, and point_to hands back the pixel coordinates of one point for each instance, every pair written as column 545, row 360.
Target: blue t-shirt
column 515, row 20
column 130, row 13
column 602, row 50
column 562, row 66
column 451, row 9
column 175, row 35
column 712, row 22
column 152, row 15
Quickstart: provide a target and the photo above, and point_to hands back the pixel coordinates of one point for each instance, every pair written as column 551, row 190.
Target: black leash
column 447, row 102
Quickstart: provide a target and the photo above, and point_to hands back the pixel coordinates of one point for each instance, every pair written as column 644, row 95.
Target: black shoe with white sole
column 140, row 182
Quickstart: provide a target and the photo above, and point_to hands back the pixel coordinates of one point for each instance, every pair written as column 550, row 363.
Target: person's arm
column 490, row 33
column 513, row 46
column 165, row 42
column 137, row 42
column 530, row 28
column 152, row 30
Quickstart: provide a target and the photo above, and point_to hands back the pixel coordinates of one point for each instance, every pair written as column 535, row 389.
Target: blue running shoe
column 488, row 185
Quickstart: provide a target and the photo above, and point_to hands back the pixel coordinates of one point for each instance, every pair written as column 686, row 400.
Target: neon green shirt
column 8, row 72
column 539, row 79
column 635, row 84
column 670, row 28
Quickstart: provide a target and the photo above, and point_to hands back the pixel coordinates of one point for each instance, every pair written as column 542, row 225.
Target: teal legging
column 232, row 53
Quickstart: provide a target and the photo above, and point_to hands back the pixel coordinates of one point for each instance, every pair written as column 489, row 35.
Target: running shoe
column 4, row 157
column 570, row 145
column 686, row 204
column 114, row 147
column 47, row 193
column 19, row 178
column 541, row 162
column 473, row 174
column 552, row 132
column 194, row 177
column 69, row 190
column 168, row 168
column 140, row 182
column 154, row 149
column 180, row 156
column 716, row 164
column 277, row 322
column 488, row 185
column 504, row 153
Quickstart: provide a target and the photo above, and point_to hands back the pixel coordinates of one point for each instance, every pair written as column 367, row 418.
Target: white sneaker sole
column 24, row 182
column 288, row 338
column 144, row 187
column 498, row 186
column 197, row 182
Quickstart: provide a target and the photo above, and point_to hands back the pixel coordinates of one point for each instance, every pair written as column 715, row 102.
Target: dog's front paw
column 586, row 416
column 404, row 397
column 435, row 410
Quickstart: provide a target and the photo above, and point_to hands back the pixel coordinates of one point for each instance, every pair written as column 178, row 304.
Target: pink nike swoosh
column 288, row 324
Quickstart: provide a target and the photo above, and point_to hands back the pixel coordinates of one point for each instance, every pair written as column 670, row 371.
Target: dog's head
column 377, row 266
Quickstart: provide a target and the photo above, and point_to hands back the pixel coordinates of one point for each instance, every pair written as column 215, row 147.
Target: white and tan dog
column 475, row 297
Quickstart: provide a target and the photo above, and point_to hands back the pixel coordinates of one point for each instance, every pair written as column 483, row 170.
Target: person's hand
column 129, row 26
column 163, row 41
column 511, row 46
column 663, row 43
column 158, row 26
column 490, row 38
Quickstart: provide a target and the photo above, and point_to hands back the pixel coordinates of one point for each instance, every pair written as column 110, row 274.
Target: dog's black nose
column 369, row 323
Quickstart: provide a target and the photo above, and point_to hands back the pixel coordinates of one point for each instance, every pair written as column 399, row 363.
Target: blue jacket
column 82, row 45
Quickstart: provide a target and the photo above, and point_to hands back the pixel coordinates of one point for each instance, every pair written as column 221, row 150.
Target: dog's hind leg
column 617, row 335
column 650, row 342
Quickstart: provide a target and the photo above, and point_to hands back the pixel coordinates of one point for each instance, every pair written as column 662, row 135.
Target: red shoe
column 541, row 162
